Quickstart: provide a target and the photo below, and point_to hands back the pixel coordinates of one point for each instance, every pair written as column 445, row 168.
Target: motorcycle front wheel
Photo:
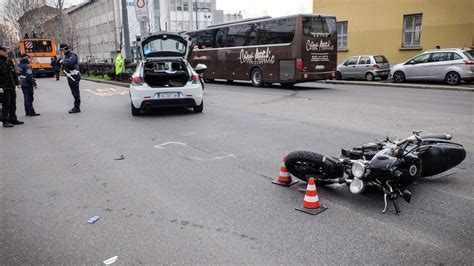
column 306, row 164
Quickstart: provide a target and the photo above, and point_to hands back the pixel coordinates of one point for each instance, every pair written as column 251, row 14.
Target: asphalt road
column 207, row 198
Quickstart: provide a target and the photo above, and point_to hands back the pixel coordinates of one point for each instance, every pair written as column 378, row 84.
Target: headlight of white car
column 358, row 169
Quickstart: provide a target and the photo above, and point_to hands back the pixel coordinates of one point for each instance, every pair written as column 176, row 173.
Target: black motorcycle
column 388, row 165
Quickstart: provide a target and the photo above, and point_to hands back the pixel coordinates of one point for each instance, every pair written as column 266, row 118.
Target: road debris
column 120, row 158
column 93, row 219
column 111, row 260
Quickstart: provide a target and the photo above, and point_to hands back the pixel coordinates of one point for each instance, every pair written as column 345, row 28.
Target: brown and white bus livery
column 285, row 50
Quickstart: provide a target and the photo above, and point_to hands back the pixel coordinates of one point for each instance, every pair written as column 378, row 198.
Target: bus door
column 319, row 41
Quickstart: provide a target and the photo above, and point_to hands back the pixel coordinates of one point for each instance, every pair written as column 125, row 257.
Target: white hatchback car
column 163, row 77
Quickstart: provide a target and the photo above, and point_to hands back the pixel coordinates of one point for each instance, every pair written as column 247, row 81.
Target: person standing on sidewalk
column 119, row 66
column 28, row 84
column 8, row 83
column 70, row 65
column 56, row 66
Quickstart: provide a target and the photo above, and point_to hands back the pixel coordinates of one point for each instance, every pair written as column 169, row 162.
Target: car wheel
column 135, row 111
column 452, row 78
column 199, row 108
column 338, row 75
column 399, row 77
column 257, row 77
column 369, row 76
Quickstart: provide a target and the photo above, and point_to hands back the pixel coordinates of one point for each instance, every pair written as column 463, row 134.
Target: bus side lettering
column 257, row 57
column 321, row 46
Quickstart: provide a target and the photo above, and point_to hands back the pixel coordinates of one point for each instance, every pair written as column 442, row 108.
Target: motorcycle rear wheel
column 306, row 164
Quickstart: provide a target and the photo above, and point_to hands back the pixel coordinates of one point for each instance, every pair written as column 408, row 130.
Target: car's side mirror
column 200, row 68
column 411, row 62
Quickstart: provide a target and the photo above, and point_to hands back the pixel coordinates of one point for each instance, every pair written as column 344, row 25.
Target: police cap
column 3, row 48
column 23, row 55
column 63, row 46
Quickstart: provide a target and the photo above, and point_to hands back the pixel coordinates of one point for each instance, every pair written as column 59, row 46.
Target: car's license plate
column 167, row 95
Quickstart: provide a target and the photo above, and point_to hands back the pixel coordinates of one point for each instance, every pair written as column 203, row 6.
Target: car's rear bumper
column 382, row 73
column 191, row 95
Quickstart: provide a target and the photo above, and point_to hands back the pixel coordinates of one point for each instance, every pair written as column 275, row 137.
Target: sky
column 256, row 8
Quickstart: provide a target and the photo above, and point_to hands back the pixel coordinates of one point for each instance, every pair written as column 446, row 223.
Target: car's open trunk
column 169, row 73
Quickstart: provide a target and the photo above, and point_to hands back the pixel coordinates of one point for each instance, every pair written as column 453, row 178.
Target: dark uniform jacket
column 8, row 76
column 70, row 62
column 27, row 78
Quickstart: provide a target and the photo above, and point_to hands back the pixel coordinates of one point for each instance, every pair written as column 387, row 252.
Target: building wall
column 94, row 27
column 376, row 26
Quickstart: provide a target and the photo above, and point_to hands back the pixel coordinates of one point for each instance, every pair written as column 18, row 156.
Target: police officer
column 8, row 83
column 56, row 66
column 28, row 84
column 70, row 65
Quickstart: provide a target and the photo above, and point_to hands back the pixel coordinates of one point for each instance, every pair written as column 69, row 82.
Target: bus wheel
column 257, row 77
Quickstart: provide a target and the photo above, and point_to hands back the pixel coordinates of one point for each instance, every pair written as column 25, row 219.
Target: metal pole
column 126, row 33
column 197, row 26
column 61, row 21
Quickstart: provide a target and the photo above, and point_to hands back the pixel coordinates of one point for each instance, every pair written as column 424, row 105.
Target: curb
column 116, row 83
column 398, row 85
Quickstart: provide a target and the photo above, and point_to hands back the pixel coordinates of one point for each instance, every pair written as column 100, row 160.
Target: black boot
column 17, row 122
column 75, row 110
column 7, row 124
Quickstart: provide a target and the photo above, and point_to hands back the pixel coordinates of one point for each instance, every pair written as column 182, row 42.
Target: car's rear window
column 380, row 59
column 469, row 54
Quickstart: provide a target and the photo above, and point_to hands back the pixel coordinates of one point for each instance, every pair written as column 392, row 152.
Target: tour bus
column 285, row 50
column 41, row 51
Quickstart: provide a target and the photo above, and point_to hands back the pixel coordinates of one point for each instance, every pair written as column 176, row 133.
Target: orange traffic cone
column 284, row 179
column 311, row 203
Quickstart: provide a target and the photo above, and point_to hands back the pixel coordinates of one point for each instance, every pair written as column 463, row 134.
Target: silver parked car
column 450, row 65
column 364, row 67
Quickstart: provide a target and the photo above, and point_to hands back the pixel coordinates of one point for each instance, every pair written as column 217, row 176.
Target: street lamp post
column 197, row 20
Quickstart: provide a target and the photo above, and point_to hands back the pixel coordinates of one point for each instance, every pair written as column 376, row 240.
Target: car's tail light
column 468, row 62
column 299, row 64
column 195, row 78
column 375, row 66
column 137, row 80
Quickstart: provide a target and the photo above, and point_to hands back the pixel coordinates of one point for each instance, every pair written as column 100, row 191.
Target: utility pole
column 61, row 21
column 126, row 32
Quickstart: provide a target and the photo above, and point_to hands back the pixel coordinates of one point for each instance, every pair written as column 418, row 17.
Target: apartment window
column 173, row 5
column 179, row 5
column 156, row 4
column 412, row 30
column 185, row 5
column 342, row 35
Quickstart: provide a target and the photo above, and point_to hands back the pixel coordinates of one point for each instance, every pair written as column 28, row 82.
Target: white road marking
column 111, row 260
column 189, row 134
column 453, row 194
column 160, row 146
column 227, row 155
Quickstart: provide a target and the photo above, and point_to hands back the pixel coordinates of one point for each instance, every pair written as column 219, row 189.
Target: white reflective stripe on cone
column 311, row 199
column 284, row 174
column 311, row 187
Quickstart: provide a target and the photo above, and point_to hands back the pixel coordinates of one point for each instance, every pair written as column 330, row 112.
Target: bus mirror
column 200, row 68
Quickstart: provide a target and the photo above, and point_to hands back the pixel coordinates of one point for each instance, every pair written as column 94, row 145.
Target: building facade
column 33, row 21
column 399, row 29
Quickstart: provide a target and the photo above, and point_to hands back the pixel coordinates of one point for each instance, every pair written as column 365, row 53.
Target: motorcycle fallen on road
column 388, row 165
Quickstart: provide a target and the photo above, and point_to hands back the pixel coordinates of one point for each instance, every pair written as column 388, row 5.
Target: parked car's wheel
column 452, row 78
column 135, row 111
column 256, row 77
column 338, row 75
column 199, row 108
column 399, row 77
column 369, row 76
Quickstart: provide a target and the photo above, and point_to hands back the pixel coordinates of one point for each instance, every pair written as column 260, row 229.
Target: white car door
column 417, row 68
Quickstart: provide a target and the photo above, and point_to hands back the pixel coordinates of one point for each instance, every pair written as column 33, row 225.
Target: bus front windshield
column 38, row 46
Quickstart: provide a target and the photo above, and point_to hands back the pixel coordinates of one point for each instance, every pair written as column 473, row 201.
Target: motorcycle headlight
column 358, row 169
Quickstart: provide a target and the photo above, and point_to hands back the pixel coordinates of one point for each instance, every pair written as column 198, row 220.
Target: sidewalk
column 429, row 86
column 467, row 87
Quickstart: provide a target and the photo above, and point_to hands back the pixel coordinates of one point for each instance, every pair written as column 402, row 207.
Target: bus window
column 315, row 25
column 277, row 31
column 236, row 36
column 221, row 37
column 251, row 37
